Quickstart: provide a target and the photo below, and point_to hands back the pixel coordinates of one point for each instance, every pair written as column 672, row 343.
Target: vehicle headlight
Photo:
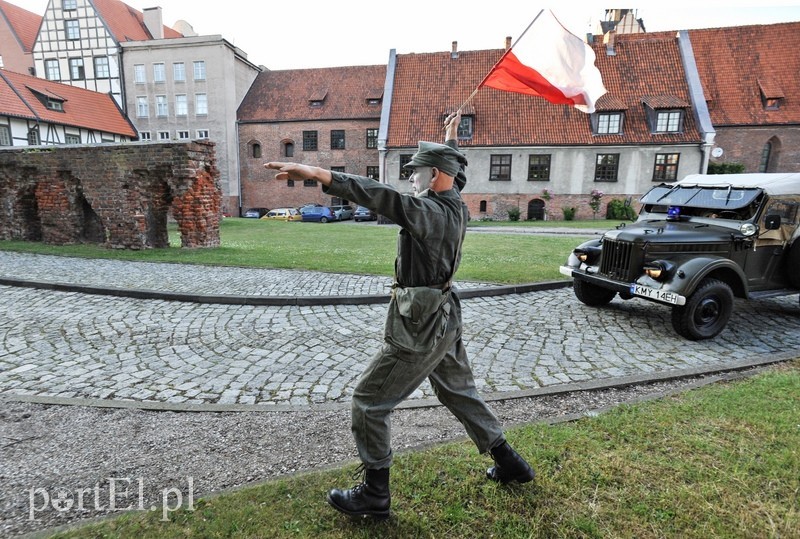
column 659, row 270
column 748, row 229
column 587, row 255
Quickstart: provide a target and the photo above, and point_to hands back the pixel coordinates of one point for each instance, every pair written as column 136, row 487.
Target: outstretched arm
column 296, row 171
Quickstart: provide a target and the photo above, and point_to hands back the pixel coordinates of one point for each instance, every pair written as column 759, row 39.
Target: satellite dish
column 717, row 152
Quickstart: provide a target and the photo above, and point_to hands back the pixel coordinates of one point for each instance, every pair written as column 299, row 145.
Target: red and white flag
column 549, row 62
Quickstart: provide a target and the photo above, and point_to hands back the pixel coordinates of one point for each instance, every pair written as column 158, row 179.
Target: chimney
column 609, row 39
column 153, row 22
column 508, row 42
column 454, row 51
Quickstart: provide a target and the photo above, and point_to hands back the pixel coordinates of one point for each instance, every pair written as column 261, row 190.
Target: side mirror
column 772, row 222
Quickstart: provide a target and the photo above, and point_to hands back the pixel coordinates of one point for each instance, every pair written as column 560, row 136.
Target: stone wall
column 114, row 195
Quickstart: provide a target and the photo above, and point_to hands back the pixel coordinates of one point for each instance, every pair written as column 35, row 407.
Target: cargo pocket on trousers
column 417, row 318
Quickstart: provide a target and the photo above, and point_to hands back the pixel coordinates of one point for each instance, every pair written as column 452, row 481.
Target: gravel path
column 56, row 461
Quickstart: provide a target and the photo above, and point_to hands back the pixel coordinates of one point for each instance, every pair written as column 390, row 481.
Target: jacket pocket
column 417, row 318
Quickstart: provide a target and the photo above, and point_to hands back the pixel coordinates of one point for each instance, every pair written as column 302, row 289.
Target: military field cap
column 441, row 156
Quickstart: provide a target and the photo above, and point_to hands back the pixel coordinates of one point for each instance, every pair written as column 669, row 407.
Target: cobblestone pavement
column 78, row 346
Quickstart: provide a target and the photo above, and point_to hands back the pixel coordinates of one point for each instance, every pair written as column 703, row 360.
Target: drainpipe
column 699, row 106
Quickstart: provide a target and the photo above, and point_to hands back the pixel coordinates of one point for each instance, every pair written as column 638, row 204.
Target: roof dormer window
column 49, row 99
column 54, row 104
column 771, row 94
column 607, row 123
column 317, row 99
column 665, row 113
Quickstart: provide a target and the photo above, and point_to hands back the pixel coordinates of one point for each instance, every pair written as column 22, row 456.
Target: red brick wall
column 744, row 145
column 114, row 195
column 497, row 206
column 260, row 189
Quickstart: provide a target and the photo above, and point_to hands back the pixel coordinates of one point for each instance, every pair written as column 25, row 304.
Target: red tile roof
column 430, row 85
column 126, row 23
column 82, row 108
column 277, row 96
column 736, row 62
column 23, row 23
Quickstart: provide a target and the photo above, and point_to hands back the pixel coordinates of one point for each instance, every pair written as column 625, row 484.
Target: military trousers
column 395, row 374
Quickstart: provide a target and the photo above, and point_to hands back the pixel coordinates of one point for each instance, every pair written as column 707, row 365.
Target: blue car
column 318, row 214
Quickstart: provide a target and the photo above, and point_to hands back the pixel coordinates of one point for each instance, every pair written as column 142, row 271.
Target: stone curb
column 278, row 301
column 594, row 385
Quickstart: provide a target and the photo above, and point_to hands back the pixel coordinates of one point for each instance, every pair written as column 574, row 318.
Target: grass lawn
column 721, row 461
column 341, row 248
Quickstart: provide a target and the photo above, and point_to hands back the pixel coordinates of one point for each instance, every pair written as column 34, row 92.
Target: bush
column 725, row 168
column 569, row 213
column 620, row 210
column 513, row 214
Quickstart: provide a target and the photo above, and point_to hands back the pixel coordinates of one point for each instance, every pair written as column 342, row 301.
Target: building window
column 668, row 121
column 465, row 127
column 288, row 149
column 372, row 138
column 159, row 72
column 5, row 135
column 201, row 104
column 181, row 107
column 54, row 104
column 289, row 183
column 72, row 139
column 202, row 133
column 139, row 74
column 161, row 106
column 482, row 206
column 51, row 70
column 337, row 169
column 309, row 141
column 183, row 135
column 772, row 103
column 309, row 183
column 142, row 107
column 145, row 136
column 500, row 167
column 337, row 139
column 373, row 172
column 666, row 167
column 538, row 168
column 68, row 5
column 163, row 135
column 256, row 150
column 72, row 30
column 766, row 151
column 606, row 167
column 101, row 69
column 179, row 72
column 405, row 173
column 33, row 137
column 609, row 123
column 200, row 70
column 76, row 69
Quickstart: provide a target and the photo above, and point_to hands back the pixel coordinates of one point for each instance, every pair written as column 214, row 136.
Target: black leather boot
column 508, row 466
column 371, row 498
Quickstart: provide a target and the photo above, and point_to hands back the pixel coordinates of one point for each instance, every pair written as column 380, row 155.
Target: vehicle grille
column 617, row 260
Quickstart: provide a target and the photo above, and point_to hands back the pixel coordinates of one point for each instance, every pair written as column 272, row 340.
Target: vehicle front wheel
column 323, row 220
column 591, row 294
column 706, row 312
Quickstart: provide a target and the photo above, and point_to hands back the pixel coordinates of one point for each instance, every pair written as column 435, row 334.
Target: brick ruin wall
column 119, row 196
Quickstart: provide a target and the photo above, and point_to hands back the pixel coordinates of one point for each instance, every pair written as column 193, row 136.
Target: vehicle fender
column 572, row 260
column 695, row 270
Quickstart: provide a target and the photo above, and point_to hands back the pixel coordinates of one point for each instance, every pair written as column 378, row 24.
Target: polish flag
column 551, row 63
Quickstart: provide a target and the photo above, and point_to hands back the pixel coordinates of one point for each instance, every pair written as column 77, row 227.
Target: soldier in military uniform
column 422, row 337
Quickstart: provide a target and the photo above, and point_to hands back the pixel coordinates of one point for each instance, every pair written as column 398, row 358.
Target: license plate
column 659, row 295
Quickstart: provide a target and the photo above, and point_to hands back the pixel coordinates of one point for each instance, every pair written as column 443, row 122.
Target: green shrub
column 619, row 210
column 725, row 168
column 513, row 214
column 569, row 213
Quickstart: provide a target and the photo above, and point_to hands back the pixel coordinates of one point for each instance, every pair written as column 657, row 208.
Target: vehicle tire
column 323, row 220
column 591, row 294
column 706, row 312
column 793, row 264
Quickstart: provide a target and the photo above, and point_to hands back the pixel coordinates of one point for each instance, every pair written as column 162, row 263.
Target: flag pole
column 475, row 91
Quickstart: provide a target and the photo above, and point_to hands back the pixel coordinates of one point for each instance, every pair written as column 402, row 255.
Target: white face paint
column 421, row 179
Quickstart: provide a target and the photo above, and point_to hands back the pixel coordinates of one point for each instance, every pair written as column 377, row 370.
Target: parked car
column 696, row 245
column 285, row 214
column 318, row 214
column 306, row 207
column 255, row 213
column 364, row 214
column 342, row 212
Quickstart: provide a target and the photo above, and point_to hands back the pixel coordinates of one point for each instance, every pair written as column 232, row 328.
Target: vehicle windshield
column 692, row 196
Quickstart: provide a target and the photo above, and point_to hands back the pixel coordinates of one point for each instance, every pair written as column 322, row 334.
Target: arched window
column 288, row 149
column 765, row 153
column 483, row 206
column 256, row 150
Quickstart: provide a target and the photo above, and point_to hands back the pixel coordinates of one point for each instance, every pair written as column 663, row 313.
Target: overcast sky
column 321, row 33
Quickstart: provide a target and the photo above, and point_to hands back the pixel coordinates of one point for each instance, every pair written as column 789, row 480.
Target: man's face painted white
column 421, row 179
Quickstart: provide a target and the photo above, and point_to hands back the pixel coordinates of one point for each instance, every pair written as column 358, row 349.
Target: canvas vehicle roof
column 773, row 183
